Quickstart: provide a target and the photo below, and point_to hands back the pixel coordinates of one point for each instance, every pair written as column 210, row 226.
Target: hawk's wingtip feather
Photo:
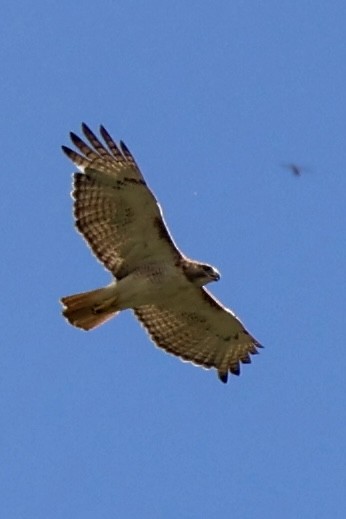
column 223, row 377
column 124, row 147
column 85, row 128
column 66, row 150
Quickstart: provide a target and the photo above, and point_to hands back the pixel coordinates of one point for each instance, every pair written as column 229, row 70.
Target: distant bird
column 122, row 222
column 296, row 170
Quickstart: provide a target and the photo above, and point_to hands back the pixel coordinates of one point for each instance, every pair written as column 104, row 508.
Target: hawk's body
column 122, row 222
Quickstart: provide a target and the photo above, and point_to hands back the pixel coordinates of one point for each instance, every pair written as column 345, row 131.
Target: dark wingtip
column 124, row 148
column 104, row 132
column 75, row 139
column 66, row 150
column 246, row 360
column 85, row 128
column 223, row 376
column 235, row 370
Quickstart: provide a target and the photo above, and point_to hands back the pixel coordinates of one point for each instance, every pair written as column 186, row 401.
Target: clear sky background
column 212, row 98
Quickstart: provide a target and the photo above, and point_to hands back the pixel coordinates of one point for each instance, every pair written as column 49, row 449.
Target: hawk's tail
column 89, row 309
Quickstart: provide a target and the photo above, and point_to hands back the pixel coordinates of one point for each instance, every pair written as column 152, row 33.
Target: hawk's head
column 200, row 273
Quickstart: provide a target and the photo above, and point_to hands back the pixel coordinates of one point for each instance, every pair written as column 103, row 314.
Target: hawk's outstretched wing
column 200, row 330
column 114, row 209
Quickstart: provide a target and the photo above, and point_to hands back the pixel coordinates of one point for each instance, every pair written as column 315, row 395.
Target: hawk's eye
column 208, row 269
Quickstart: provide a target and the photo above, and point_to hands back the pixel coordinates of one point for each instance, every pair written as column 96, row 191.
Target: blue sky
column 212, row 99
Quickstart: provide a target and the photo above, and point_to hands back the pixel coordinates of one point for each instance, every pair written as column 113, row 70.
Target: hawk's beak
column 217, row 276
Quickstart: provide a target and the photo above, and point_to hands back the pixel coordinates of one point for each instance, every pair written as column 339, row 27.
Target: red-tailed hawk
column 122, row 222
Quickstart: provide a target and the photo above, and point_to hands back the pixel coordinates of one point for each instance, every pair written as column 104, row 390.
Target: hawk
column 122, row 222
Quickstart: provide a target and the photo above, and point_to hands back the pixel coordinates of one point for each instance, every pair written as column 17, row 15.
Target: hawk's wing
column 200, row 330
column 114, row 209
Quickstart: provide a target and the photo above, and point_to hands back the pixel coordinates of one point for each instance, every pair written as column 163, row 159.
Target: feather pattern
column 122, row 222
column 200, row 331
column 110, row 199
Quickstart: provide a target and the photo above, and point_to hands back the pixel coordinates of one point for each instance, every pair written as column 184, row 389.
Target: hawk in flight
column 122, row 222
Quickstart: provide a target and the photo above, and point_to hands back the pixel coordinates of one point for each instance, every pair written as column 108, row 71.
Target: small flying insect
column 295, row 168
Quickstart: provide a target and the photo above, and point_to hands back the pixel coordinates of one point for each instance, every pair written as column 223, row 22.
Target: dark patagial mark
column 211, row 300
column 162, row 230
column 135, row 181
column 164, row 235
